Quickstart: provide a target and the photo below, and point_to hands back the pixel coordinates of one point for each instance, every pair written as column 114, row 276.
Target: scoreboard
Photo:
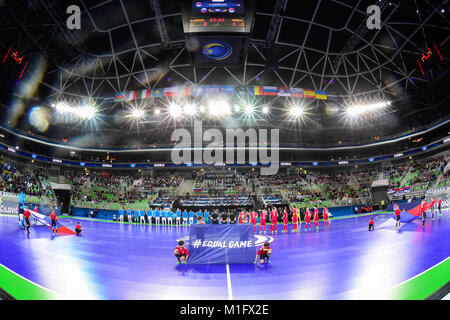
column 217, row 31
column 234, row 16
column 217, row 15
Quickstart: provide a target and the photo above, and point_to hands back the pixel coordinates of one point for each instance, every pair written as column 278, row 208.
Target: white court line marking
column 422, row 272
column 230, row 291
column 32, row 282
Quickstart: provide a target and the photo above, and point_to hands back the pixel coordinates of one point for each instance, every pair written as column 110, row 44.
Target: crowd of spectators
column 119, row 188
column 216, row 185
column 394, row 174
column 336, row 186
column 428, row 170
column 16, row 179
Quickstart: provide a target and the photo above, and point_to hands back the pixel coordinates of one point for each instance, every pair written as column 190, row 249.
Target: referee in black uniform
column 224, row 217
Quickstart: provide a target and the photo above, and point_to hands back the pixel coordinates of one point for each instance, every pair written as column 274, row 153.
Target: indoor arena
column 224, row 150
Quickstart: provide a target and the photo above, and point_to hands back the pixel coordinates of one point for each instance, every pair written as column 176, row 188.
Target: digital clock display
column 217, row 22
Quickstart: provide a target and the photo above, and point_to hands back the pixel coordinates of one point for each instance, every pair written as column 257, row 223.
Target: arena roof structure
column 138, row 47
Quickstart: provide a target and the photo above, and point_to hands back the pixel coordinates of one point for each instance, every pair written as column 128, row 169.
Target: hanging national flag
column 284, row 92
column 296, row 92
column 309, row 93
column 120, row 96
column 257, row 90
column 270, row 91
column 130, row 95
column 170, row 92
column 185, row 91
column 157, row 93
column 197, row 91
column 144, row 94
column 321, row 95
column 243, row 91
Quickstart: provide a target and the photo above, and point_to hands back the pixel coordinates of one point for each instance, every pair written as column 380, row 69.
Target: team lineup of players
column 286, row 215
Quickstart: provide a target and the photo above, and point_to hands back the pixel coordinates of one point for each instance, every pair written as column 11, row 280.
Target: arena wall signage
column 399, row 191
column 195, row 91
column 24, row 154
column 8, row 203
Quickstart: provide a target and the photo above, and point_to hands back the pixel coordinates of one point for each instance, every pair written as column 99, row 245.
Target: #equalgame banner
column 222, row 244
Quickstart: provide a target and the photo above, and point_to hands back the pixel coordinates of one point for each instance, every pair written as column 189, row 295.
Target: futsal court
column 125, row 261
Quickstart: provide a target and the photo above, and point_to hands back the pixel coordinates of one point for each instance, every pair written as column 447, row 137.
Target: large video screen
column 229, row 7
column 217, row 16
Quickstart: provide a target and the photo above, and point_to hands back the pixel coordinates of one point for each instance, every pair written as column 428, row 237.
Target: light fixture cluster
column 84, row 111
column 358, row 110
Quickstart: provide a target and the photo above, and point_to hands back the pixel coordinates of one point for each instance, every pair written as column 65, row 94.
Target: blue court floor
column 121, row 261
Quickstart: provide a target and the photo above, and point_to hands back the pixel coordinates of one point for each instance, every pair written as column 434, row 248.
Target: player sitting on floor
column 181, row 252
column 264, row 253
column 78, row 229
column 371, row 224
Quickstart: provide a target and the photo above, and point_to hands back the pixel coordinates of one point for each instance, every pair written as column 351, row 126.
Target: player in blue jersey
column 128, row 215
column 170, row 216
column 136, row 215
column 157, row 216
column 185, row 217
column 199, row 215
column 121, row 213
column 141, row 216
column 191, row 217
column 178, row 217
column 164, row 217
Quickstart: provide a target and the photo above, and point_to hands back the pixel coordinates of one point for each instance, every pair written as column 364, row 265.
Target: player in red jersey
column 316, row 218
column 54, row 219
column 308, row 219
column 242, row 214
column 181, row 252
column 264, row 253
column 423, row 208
column 26, row 214
column 325, row 217
column 253, row 217
column 371, row 224
column 273, row 220
column 397, row 212
column 432, row 207
column 294, row 219
column 439, row 205
column 78, row 229
column 262, row 221
column 285, row 221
